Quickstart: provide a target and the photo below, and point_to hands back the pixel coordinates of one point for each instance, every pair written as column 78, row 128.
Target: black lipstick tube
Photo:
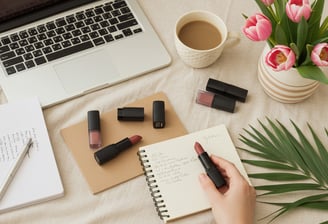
column 111, row 151
column 211, row 170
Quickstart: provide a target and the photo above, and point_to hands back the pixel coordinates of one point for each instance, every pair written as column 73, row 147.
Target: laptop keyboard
column 67, row 35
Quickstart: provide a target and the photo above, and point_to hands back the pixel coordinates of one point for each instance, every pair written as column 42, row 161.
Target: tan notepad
column 127, row 165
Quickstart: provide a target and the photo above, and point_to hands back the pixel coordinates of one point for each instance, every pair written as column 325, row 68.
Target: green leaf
column 311, row 158
column 315, row 19
column 295, row 158
column 295, row 49
column 324, row 27
column 268, row 164
column 312, row 72
column 278, row 176
column 299, row 203
column 280, row 35
column 323, row 158
column 302, row 33
column 285, row 188
column 321, row 205
column 308, row 60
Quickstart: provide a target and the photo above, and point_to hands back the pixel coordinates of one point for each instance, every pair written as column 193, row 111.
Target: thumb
column 209, row 188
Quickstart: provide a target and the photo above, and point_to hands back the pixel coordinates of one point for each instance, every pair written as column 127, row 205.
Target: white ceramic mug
column 203, row 58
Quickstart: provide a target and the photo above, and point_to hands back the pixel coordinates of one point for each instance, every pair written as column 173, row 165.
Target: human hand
column 233, row 203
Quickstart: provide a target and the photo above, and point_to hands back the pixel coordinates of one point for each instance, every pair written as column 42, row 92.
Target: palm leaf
column 298, row 164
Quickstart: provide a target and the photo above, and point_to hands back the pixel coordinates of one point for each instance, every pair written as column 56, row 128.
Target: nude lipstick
column 111, row 151
column 210, row 168
column 216, row 101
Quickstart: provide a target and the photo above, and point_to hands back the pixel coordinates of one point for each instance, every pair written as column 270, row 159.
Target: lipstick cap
column 130, row 114
column 223, row 103
column 93, row 120
column 226, row 89
column 158, row 114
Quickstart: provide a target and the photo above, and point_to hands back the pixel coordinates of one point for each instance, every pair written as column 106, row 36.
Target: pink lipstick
column 111, row 151
column 216, row 101
column 210, row 168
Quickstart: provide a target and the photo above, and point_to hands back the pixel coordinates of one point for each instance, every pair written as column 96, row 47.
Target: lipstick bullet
column 212, row 171
column 111, row 151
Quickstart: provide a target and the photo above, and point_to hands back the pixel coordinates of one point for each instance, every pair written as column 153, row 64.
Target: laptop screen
column 14, row 8
column 14, row 13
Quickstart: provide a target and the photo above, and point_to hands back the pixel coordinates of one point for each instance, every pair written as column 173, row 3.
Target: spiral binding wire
column 153, row 187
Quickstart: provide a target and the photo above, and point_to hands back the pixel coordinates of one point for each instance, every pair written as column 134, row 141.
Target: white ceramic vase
column 284, row 86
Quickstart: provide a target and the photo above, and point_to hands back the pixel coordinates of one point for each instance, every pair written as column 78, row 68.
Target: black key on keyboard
column 61, row 22
column 68, row 51
column 29, row 48
column 20, row 51
column 7, row 55
column 42, row 36
column 13, row 61
column 23, row 43
column 70, row 19
column 13, row 46
column 80, row 16
column 98, row 41
column 41, row 28
column 10, row 70
column 125, row 17
column 38, row 45
column 23, row 34
column 108, row 8
column 51, row 26
column 29, row 64
column 20, row 67
column 4, row 49
column 109, row 38
column 46, row 50
column 99, row 11
column 14, row 37
column 37, row 53
column 5, row 41
column 32, row 31
column 127, row 32
column 28, row 56
column 66, row 44
column 40, row 60
column 117, row 5
column 127, row 24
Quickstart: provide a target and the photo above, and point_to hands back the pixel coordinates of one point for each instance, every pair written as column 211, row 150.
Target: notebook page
column 38, row 173
column 175, row 166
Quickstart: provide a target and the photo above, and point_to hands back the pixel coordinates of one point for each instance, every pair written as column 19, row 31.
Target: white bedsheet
column 130, row 202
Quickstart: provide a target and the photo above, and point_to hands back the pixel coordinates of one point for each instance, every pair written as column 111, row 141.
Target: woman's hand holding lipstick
column 233, row 203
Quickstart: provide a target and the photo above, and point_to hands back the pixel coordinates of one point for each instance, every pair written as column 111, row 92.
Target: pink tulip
column 296, row 9
column 258, row 27
column 280, row 58
column 267, row 2
column 319, row 54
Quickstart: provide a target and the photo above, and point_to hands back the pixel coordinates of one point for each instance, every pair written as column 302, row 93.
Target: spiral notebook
column 171, row 168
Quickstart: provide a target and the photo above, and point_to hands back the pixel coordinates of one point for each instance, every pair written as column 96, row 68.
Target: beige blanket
column 130, row 202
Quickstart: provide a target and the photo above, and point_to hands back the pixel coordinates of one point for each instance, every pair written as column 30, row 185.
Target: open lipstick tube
column 212, row 171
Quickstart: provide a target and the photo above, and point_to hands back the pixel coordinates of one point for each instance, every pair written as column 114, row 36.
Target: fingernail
column 202, row 177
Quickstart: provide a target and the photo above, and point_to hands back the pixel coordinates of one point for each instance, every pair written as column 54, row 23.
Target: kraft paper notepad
column 127, row 165
column 37, row 178
column 172, row 169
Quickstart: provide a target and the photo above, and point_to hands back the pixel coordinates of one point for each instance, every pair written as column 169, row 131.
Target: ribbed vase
column 284, row 86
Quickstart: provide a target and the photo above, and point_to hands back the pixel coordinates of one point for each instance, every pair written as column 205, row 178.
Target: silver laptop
column 60, row 49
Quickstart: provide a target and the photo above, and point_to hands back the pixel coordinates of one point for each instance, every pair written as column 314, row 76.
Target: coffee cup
column 200, row 37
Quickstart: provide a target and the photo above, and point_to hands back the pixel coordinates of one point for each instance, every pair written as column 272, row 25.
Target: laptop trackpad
column 87, row 72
